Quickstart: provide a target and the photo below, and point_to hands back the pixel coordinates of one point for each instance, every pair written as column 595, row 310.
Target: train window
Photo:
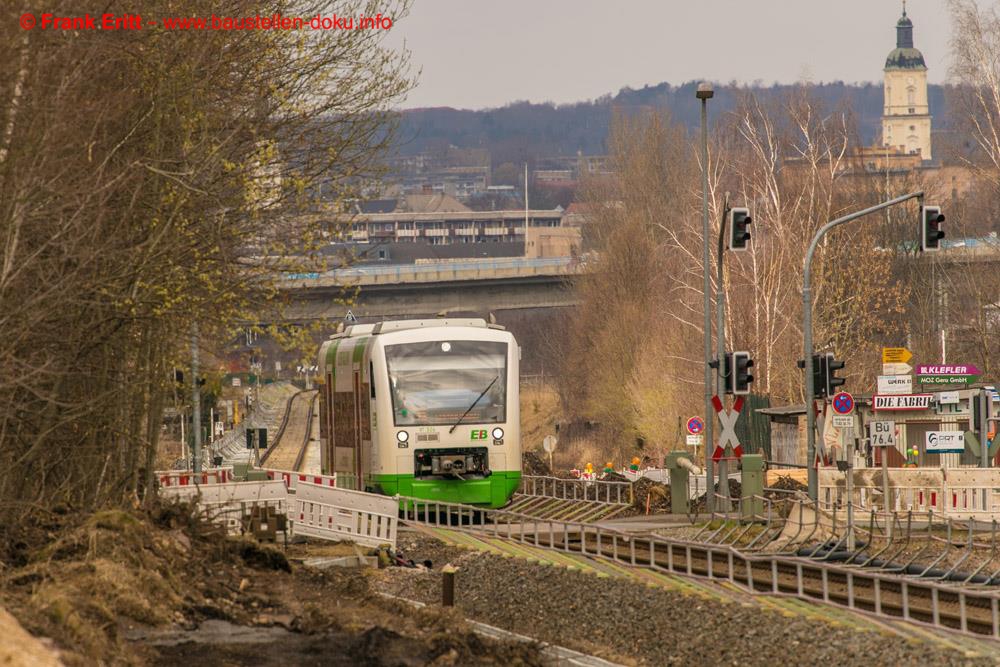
column 371, row 378
column 435, row 383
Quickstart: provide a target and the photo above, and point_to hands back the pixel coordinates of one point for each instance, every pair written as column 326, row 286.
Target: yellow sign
column 896, row 355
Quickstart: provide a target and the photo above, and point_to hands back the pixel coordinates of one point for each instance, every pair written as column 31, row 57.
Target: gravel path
column 632, row 623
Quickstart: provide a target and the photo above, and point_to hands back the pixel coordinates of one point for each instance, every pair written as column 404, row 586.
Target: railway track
column 292, row 439
column 970, row 609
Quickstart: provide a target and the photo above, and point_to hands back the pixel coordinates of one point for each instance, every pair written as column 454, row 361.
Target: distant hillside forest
column 523, row 131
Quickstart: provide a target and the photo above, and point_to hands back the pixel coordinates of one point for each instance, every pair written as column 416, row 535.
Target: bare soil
column 161, row 588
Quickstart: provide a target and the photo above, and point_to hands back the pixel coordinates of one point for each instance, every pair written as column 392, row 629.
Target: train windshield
column 435, row 383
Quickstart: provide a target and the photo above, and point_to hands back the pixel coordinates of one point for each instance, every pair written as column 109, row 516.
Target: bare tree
column 145, row 179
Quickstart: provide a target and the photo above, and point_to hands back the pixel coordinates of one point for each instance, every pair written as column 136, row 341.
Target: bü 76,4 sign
column 882, row 434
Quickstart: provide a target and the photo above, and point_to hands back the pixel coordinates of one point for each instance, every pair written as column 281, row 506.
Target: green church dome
column 905, row 58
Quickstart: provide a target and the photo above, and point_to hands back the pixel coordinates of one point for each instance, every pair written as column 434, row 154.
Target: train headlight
column 402, row 436
column 497, row 433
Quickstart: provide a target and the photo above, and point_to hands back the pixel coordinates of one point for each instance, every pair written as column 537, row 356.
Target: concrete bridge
column 471, row 286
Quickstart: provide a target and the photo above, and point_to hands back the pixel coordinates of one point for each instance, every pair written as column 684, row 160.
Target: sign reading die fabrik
column 945, row 442
column 904, row 402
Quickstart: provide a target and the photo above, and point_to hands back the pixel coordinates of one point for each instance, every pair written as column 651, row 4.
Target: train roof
column 403, row 325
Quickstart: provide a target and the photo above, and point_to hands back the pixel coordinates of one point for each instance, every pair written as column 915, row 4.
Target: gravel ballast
column 630, row 622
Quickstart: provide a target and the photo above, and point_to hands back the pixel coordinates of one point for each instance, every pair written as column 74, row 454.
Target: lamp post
column 705, row 93
column 195, row 400
column 807, row 341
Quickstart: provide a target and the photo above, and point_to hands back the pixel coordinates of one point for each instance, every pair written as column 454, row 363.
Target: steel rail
column 281, row 427
column 297, row 466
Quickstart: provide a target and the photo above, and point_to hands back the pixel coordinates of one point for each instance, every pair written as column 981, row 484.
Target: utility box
column 256, row 438
column 752, row 484
column 680, row 503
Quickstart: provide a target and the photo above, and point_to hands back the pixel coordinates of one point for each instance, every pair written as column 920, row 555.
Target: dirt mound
column 650, row 497
column 131, row 588
column 614, row 477
column 533, row 464
column 20, row 649
column 94, row 571
column 788, row 484
column 735, row 492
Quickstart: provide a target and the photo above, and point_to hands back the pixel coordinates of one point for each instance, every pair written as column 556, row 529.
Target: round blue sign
column 695, row 425
column 843, row 403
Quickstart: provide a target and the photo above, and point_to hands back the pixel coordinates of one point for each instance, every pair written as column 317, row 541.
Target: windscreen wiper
column 488, row 387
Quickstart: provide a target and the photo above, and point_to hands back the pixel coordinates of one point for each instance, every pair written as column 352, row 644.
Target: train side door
column 358, row 454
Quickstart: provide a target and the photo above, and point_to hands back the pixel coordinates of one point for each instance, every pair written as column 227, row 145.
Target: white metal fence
column 958, row 493
column 171, row 478
column 312, row 503
column 227, row 503
column 292, row 478
column 342, row 514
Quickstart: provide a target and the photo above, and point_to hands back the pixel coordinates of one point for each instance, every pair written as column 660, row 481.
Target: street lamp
column 705, row 93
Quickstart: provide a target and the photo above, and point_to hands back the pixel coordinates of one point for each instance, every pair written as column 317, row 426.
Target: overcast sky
column 483, row 53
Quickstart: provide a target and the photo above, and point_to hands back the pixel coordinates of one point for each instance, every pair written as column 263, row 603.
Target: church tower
column 906, row 119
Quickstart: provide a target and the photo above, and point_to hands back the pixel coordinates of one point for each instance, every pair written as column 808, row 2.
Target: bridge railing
column 469, row 270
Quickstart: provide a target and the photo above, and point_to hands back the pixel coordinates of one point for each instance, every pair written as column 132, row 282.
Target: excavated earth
column 162, row 588
column 631, row 623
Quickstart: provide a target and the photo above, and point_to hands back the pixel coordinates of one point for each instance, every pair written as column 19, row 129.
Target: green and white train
column 422, row 408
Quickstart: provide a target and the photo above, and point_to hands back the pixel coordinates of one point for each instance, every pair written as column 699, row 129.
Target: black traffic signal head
column 818, row 374
column 831, row 367
column 930, row 227
column 742, row 363
column 739, row 228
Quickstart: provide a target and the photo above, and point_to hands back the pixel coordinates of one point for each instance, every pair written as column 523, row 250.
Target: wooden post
column 448, row 585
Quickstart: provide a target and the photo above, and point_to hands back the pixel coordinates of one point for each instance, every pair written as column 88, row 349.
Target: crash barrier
column 292, row 478
column 226, row 504
column 616, row 493
column 169, row 478
column 958, row 493
column 908, row 594
column 342, row 514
